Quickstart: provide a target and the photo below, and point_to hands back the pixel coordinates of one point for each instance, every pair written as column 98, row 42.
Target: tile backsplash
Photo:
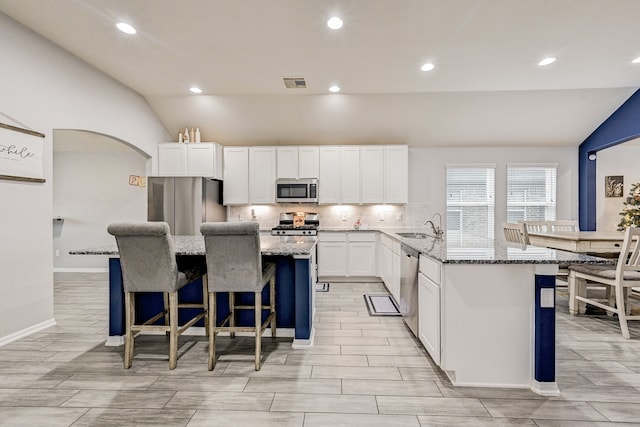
column 372, row 216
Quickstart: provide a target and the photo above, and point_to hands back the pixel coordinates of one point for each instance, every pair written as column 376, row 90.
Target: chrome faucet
column 437, row 229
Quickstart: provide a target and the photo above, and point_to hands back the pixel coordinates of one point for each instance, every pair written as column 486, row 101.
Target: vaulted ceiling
column 486, row 88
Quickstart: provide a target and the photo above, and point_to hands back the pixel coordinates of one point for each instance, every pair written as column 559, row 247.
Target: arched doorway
column 91, row 188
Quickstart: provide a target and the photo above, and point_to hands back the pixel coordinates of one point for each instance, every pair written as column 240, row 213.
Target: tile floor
column 363, row 371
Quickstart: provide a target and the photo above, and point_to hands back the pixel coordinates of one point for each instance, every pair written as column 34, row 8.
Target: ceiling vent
column 294, row 82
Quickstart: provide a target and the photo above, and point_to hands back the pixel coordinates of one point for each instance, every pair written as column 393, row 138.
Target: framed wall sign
column 21, row 154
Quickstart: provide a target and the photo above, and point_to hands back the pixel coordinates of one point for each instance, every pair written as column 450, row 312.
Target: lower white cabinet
column 429, row 307
column 347, row 254
column 332, row 254
column 362, row 254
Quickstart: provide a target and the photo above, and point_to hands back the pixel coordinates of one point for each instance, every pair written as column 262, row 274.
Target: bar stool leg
column 130, row 315
column 212, row 330
column 258, row 323
column 272, row 308
column 232, row 310
column 205, row 304
column 173, row 329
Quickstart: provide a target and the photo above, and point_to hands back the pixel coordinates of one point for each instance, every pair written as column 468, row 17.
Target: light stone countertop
column 194, row 245
column 462, row 248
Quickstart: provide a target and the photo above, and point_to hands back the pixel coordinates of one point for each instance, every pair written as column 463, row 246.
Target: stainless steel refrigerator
column 185, row 202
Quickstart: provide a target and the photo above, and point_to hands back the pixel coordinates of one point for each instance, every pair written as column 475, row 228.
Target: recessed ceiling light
column 126, row 28
column 636, row 61
column 547, row 61
column 195, row 89
column 427, row 67
column 334, row 23
column 334, row 89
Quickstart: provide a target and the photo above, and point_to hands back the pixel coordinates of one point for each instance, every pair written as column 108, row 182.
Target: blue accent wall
column 623, row 125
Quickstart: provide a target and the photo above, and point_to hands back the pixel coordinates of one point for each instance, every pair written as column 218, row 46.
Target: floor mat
column 322, row 287
column 381, row 305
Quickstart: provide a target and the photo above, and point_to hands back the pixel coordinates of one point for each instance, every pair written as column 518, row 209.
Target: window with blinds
column 471, row 199
column 531, row 193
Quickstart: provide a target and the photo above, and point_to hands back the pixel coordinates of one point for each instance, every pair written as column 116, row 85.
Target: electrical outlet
column 57, row 252
column 344, row 216
column 399, row 217
column 381, row 216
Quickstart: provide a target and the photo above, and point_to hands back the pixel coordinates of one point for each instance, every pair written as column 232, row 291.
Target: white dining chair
column 619, row 278
column 536, row 226
column 563, row 225
column 515, row 232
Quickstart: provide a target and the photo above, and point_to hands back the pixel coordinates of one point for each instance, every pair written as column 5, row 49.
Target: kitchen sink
column 414, row 235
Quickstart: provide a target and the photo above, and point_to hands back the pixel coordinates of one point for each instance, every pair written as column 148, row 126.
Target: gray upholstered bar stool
column 148, row 263
column 234, row 264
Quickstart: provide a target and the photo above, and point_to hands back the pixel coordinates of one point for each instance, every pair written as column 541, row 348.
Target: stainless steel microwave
column 297, row 190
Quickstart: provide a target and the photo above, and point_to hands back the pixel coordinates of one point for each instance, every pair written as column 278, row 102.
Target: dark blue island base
column 294, row 301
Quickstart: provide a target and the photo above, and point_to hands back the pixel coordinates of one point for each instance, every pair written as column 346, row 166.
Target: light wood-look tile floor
column 363, row 371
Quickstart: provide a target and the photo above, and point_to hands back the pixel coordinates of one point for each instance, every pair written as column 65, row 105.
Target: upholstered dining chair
column 619, row 278
column 234, row 264
column 515, row 232
column 149, row 264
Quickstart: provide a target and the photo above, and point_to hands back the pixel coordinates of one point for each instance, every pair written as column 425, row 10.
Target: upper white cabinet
column 297, row 162
column 349, row 174
column 308, row 162
column 287, row 162
column 236, row 176
column 204, row 159
column 396, row 174
column 372, row 176
column 329, row 176
column 262, row 175
column 249, row 175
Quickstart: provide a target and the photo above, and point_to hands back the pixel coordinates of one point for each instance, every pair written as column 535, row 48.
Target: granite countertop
column 462, row 248
column 194, row 245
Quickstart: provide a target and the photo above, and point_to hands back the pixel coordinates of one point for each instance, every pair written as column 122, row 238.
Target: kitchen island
column 294, row 257
column 487, row 309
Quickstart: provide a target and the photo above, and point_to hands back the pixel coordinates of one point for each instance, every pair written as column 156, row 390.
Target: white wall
column 90, row 190
column 618, row 160
column 46, row 88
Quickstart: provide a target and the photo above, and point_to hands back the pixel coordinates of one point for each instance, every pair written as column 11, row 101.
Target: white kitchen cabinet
column 287, row 159
column 236, row 176
column 361, row 254
column 262, row 175
column 332, row 254
column 308, row 162
column 372, row 177
column 349, row 174
column 203, row 159
column 298, row 162
column 396, row 174
column 429, row 316
column 396, row 260
column 351, row 254
column 329, row 175
column 172, row 160
column 389, row 264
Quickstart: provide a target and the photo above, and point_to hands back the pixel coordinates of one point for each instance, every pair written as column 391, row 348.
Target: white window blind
column 531, row 193
column 471, row 199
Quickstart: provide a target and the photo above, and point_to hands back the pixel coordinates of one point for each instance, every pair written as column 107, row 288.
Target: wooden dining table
column 587, row 242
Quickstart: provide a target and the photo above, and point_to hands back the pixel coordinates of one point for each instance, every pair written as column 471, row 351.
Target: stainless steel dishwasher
column 409, row 287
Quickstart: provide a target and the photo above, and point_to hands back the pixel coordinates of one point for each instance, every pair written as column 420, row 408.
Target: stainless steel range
column 297, row 224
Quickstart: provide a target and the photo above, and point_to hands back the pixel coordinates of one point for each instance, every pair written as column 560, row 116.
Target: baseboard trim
column 27, row 331
column 302, row 344
column 545, row 388
column 350, row 279
column 81, row 270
